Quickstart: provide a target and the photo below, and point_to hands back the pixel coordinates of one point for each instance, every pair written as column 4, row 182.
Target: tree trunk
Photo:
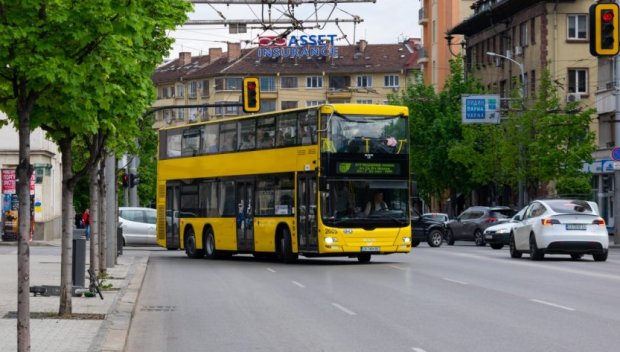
column 93, row 188
column 23, row 173
column 103, row 234
column 68, row 185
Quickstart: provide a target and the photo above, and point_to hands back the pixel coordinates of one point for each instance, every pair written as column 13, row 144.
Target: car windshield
column 502, row 213
column 570, row 207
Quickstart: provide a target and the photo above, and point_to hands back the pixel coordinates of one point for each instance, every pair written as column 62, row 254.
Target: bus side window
column 228, row 136
column 210, row 142
column 266, row 132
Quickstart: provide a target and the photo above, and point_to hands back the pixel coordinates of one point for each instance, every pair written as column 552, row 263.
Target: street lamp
column 521, row 183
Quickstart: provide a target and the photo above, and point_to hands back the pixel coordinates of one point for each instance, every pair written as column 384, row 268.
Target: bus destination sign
column 345, row 168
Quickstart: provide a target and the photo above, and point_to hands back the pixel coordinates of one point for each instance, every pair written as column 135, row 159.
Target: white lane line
column 397, row 267
column 552, row 304
column 269, row 269
column 417, row 349
column 348, row 311
column 298, row 284
column 456, row 281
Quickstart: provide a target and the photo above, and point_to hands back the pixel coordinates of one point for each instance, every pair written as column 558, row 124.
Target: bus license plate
column 575, row 226
column 370, row 249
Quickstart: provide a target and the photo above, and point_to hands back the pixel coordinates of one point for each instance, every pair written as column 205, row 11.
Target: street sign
column 480, row 108
column 615, row 154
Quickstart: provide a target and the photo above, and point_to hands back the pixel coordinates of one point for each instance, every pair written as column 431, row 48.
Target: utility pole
column 133, row 190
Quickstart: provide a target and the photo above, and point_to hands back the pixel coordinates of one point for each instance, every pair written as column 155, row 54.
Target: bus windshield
column 366, row 134
column 365, row 202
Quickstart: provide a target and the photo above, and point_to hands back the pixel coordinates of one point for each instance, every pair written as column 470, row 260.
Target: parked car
column 426, row 229
column 560, row 226
column 469, row 226
column 138, row 225
column 498, row 235
column 437, row 216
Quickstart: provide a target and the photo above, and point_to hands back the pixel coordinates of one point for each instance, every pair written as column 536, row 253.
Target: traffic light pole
column 616, row 184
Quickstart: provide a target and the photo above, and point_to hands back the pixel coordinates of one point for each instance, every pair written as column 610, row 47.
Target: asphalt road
column 452, row 298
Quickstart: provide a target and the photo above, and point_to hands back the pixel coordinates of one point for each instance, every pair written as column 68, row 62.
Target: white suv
column 138, row 225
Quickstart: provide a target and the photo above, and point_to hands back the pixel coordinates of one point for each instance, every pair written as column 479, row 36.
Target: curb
column 32, row 244
column 123, row 309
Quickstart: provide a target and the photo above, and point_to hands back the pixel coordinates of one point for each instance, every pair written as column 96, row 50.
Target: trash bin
column 78, row 265
column 119, row 241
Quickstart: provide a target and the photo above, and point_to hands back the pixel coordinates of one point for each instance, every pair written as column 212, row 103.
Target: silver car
column 138, row 225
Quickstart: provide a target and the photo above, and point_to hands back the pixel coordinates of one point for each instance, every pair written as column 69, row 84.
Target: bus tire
column 190, row 244
column 209, row 244
column 364, row 257
column 285, row 252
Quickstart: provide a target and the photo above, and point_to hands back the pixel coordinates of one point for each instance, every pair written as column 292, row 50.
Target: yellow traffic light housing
column 604, row 29
column 251, row 95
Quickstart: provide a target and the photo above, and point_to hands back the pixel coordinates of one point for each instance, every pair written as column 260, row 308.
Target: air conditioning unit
column 573, row 97
column 518, row 50
column 498, row 61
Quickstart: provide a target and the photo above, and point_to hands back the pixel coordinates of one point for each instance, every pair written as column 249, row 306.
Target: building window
column 314, row 82
column 577, row 27
column 315, row 102
column 222, row 84
column 364, row 81
column 289, row 105
column 268, row 84
column 288, row 82
column 205, row 88
column 181, row 114
column 523, row 35
column 180, row 90
column 578, row 81
column 225, row 110
column 193, row 88
column 267, row 105
column 533, row 83
column 364, row 101
column 525, row 84
column 533, row 31
column 391, row 81
column 339, row 82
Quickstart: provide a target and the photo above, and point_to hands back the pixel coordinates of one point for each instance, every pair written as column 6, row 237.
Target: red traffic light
column 251, row 85
column 607, row 16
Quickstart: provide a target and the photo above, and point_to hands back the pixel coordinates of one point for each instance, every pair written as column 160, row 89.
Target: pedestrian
column 86, row 222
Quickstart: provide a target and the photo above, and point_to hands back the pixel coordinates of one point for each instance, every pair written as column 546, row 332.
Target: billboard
column 10, row 205
column 480, row 108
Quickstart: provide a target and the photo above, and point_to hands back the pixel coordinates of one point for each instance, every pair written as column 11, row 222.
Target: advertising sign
column 480, row 109
column 10, row 205
column 293, row 46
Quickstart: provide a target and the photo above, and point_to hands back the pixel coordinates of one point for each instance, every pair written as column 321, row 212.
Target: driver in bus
column 376, row 204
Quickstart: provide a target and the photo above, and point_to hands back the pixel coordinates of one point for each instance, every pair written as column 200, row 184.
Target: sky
column 384, row 22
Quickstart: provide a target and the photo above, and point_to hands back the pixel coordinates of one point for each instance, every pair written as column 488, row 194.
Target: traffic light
column 125, row 179
column 604, row 29
column 133, row 180
column 251, row 95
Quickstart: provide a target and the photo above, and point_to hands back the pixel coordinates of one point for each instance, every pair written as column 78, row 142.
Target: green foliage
column 574, row 186
column 148, row 162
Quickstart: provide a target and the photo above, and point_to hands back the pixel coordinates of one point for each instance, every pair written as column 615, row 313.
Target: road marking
column 418, row 349
column 298, row 284
column 397, row 267
column 269, row 269
column 348, row 311
column 552, row 304
column 456, row 281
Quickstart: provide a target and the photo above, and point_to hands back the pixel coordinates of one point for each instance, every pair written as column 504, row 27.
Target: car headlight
column 503, row 231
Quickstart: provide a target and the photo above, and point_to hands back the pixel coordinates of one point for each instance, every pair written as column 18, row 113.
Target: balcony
column 339, row 94
column 422, row 16
column 422, row 56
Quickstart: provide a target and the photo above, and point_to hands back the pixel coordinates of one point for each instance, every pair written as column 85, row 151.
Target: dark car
column 470, row 225
column 427, row 229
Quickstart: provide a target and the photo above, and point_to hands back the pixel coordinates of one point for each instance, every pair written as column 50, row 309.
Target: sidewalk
column 70, row 334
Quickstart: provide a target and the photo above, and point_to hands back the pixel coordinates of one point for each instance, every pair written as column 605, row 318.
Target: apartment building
column 437, row 17
column 362, row 73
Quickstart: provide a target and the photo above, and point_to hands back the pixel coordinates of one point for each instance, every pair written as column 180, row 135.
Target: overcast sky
column 384, row 22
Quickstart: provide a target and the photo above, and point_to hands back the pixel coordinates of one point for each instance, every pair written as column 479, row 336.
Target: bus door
column 173, row 195
column 245, row 218
column 307, row 212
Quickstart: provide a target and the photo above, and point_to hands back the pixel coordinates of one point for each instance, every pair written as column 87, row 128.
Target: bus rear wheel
column 209, row 245
column 364, row 257
column 285, row 252
column 190, row 245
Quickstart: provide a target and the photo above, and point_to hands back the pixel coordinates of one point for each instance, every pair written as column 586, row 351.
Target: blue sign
column 480, row 108
column 615, row 154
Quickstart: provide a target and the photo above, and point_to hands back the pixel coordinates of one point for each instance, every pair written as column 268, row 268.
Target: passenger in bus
column 247, row 142
column 344, row 201
column 376, row 204
column 279, row 139
column 266, row 141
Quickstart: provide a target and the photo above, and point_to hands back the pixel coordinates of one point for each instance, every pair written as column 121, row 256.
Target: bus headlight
column 330, row 240
column 407, row 239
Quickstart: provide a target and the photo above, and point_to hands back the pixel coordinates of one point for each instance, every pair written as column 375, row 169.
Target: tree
column 58, row 60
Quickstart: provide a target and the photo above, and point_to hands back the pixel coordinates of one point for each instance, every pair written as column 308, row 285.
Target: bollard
column 119, row 241
column 78, row 265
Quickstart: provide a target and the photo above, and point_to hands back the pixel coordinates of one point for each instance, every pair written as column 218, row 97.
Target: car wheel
column 286, row 247
column 364, row 257
column 450, row 238
column 600, row 257
column 190, row 245
column 435, row 238
column 535, row 253
column 497, row 245
column 576, row 256
column 514, row 253
column 415, row 243
column 209, row 244
column 479, row 239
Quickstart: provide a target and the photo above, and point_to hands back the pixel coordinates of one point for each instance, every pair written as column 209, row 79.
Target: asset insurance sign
column 480, row 108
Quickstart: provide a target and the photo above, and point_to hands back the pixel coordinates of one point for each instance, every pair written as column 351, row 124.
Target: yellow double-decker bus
column 329, row 180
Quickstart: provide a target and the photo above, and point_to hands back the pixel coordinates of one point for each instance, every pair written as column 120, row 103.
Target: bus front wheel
column 190, row 245
column 286, row 247
column 363, row 258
